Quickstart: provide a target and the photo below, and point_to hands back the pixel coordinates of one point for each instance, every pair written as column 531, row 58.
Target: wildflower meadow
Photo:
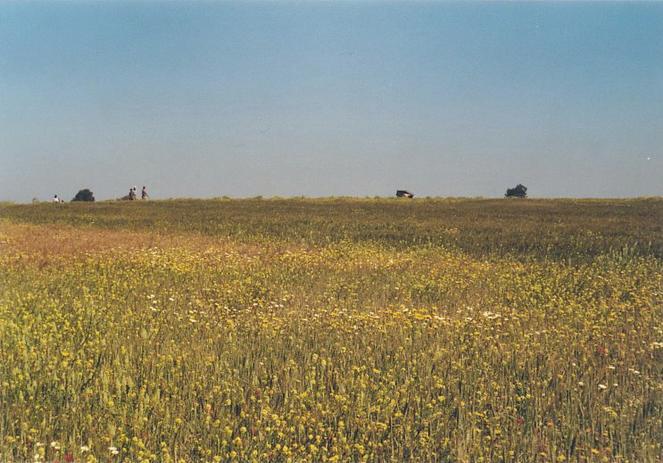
column 332, row 330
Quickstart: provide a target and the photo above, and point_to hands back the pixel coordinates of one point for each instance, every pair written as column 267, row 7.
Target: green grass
column 566, row 229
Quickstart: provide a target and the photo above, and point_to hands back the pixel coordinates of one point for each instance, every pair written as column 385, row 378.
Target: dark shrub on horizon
column 84, row 195
column 520, row 191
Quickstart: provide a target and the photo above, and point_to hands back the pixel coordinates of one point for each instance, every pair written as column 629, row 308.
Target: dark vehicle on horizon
column 404, row 194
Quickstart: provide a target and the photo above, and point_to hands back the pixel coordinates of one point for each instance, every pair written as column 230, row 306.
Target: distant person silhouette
column 56, row 199
column 132, row 193
column 143, row 193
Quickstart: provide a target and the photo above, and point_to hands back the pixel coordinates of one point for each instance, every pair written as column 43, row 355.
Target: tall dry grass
column 162, row 332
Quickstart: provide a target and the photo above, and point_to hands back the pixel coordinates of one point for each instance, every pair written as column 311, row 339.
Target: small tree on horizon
column 520, row 191
column 84, row 195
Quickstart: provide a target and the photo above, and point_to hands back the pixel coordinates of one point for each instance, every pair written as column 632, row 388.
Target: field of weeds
column 332, row 330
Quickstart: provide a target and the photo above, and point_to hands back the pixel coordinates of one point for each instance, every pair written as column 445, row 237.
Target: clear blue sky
column 204, row 99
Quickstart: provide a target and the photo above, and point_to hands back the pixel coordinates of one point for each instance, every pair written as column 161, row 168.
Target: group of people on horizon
column 132, row 193
column 131, row 196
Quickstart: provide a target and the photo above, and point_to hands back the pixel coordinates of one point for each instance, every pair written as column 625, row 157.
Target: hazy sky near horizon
column 203, row 99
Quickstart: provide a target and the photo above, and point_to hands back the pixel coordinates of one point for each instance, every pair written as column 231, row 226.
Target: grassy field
column 332, row 330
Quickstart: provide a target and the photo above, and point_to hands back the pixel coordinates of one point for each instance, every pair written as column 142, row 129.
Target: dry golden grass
column 142, row 338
